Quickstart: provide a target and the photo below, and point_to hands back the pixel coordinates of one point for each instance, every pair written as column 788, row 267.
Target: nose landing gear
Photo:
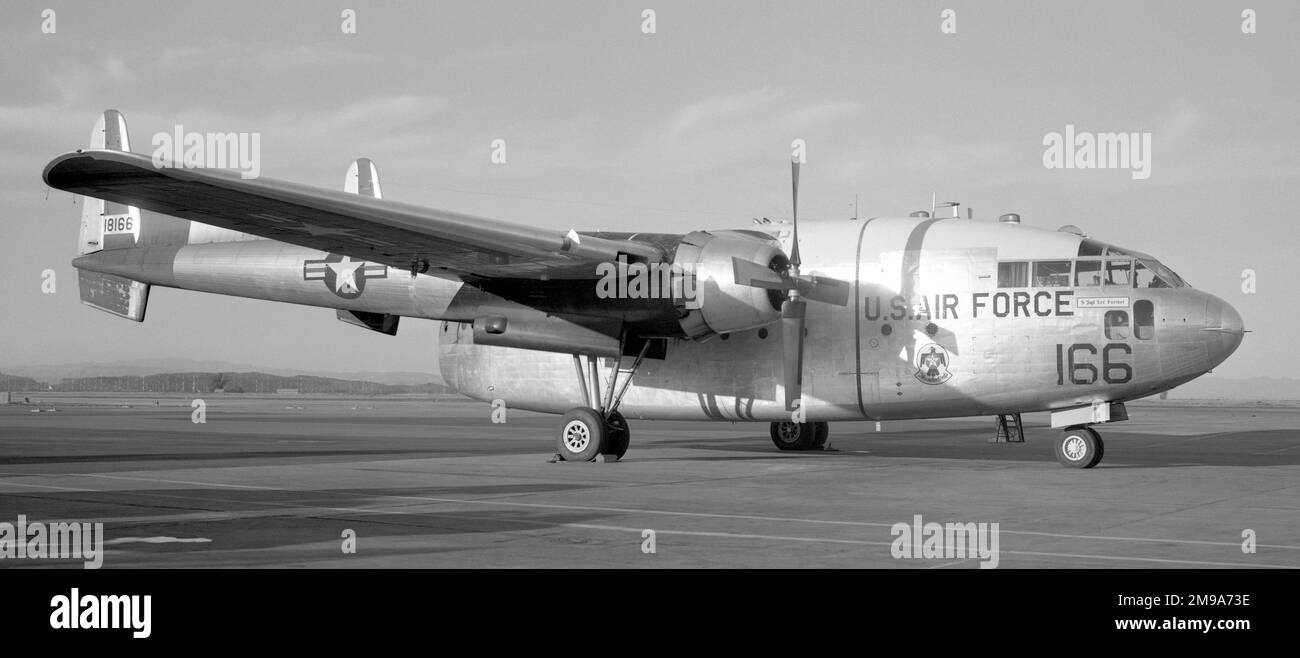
column 1080, row 447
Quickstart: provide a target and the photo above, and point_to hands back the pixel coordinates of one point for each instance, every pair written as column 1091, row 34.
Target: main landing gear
column 587, row 433
column 788, row 435
column 1080, row 447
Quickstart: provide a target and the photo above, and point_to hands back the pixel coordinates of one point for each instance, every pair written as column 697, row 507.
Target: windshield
column 1146, row 271
column 1150, row 273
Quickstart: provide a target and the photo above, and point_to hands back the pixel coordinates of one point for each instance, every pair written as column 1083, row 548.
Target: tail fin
column 106, row 225
column 363, row 179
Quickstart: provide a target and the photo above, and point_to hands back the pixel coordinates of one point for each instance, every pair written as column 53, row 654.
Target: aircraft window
column 1146, row 276
column 1013, row 275
column 1167, row 275
column 1119, row 273
column 1087, row 273
column 1116, row 325
column 1144, row 319
column 1051, row 273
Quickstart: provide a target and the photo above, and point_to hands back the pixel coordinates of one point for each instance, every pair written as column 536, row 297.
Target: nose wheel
column 1080, row 447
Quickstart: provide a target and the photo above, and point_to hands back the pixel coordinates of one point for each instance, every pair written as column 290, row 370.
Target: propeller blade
column 794, row 187
column 749, row 273
column 811, row 286
column 824, row 289
column 792, row 316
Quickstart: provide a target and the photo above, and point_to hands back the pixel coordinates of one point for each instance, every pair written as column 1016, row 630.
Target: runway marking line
column 697, row 515
column 625, row 510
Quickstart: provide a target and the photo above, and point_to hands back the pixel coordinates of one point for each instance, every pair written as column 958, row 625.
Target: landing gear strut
column 788, row 435
column 1079, row 447
column 587, row 432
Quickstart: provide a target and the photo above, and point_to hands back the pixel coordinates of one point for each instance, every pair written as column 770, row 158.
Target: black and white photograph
column 591, row 286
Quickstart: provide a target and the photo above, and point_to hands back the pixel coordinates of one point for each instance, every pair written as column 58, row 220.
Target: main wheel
column 582, row 435
column 1079, row 447
column 788, row 435
column 620, row 435
column 821, row 432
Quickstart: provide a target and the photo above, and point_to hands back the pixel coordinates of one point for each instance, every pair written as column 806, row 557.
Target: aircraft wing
column 400, row 235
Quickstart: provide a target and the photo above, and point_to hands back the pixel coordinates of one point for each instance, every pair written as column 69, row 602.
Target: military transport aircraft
column 889, row 318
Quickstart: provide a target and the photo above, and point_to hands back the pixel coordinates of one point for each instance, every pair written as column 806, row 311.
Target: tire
column 619, row 437
column 1079, row 447
column 582, row 435
column 821, row 432
column 793, row 436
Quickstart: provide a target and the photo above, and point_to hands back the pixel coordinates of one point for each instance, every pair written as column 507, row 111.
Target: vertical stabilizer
column 107, row 225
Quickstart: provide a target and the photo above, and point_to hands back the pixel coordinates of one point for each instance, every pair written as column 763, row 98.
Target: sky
column 688, row 128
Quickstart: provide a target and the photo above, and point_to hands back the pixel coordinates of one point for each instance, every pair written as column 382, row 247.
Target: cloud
column 724, row 129
column 222, row 54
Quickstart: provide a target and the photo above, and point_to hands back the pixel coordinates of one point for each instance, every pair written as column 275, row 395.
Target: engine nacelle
column 721, row 305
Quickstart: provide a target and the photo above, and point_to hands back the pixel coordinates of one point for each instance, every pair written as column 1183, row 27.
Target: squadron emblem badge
column 932, row 364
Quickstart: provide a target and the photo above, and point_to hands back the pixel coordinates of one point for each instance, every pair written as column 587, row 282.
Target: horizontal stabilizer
column 384, row 323
column 118, row 295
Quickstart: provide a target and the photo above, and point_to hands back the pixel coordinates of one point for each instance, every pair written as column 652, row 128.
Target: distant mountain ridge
column 52, row 374
column 1223, row 388
column 216, row 382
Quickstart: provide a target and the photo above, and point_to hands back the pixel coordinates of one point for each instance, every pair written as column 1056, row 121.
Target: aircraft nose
column 1224, row 327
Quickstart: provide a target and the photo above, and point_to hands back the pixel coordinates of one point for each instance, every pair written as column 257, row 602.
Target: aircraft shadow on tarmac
column 12, row 460
column 272, row 518
column 1258, row 448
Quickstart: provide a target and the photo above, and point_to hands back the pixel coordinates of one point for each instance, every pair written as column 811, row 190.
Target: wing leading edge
column 378, row 230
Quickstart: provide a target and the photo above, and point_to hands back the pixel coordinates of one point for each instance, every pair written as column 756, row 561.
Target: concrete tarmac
column 275, row 481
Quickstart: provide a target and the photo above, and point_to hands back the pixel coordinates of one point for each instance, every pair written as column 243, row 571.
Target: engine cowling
column 721, row 305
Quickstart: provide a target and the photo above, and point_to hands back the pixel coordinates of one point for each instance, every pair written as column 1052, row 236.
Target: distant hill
column 157, row 366
column 209, row 382
column 14, row 383
column 1210, row 387
column 235, row 382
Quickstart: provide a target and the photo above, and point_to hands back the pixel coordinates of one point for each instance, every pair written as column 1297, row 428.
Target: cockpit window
column 1051, row 273
column 1119, row 273
column 1115, row 268
column 1124, row 268
column 1149, row 273
column 1087, row 273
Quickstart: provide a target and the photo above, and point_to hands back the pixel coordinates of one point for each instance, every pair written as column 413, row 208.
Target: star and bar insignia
column 342, row 275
